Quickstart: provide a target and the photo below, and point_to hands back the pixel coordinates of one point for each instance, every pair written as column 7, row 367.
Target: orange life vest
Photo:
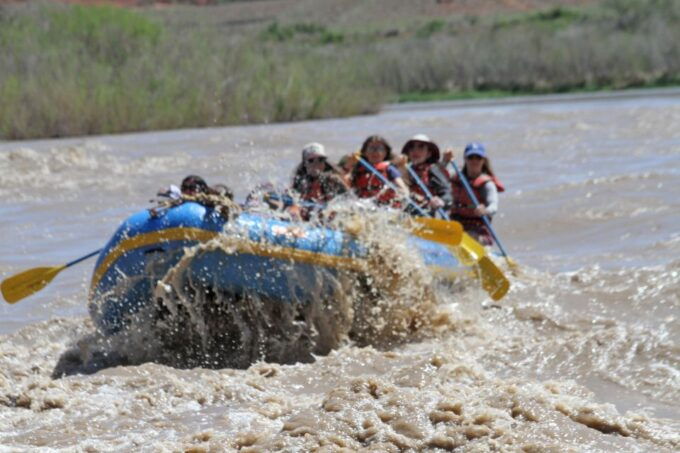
column 462, row 204
column 320, row 189
column 423, row 172
column 368, row 185
column 313, row 191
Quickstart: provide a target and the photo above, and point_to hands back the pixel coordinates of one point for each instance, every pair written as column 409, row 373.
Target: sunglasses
column 474, row 157
column 316, row 159
column 375, row 148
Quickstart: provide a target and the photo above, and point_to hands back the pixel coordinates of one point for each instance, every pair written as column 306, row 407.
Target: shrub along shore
column 76, row 70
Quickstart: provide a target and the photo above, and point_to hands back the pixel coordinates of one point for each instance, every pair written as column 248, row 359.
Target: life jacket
column 368, row 185
column 313, row 190
column 463, row 206
column 317, row 189
column 423, row 172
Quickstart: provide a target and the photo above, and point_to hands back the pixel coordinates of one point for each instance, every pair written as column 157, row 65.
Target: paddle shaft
column 82, row 258
column 472, row 196
column 425, row 190
column 385, row 181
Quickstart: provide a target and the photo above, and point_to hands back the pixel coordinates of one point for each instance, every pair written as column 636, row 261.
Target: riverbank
column 81, row 70
column 528, row 99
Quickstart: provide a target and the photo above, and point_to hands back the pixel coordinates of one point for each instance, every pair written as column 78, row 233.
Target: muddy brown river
column 581, row 355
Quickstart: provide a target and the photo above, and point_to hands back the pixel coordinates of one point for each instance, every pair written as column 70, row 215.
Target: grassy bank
column 618, row 44
column 68, row 71
column 72, row 70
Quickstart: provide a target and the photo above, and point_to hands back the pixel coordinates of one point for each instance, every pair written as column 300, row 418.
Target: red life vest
column 423, row 172
column 320, row 189
column 462, row 204
column 313, row 191
column 368, row 185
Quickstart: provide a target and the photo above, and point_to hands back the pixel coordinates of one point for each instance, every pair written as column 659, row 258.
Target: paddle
column 485, row 218
column 436, row 230
column 389, row 184
column 449, row 233
column 472, row 253
column 425, row 190
column 33, row 280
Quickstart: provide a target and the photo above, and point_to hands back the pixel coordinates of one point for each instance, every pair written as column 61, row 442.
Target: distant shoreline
column 519, row 99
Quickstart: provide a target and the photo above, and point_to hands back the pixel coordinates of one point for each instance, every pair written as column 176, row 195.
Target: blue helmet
column 475, row 149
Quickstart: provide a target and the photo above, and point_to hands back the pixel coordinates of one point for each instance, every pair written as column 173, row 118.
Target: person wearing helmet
column 378, row 152
column 485, row 186
column 423, row 156
column 315, row 179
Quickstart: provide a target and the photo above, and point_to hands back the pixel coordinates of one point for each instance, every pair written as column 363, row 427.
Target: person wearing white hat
column 423, row 156
column 315, row 179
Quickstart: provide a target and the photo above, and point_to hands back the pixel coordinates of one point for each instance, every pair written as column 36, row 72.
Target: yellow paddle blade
column 437, row 230
column 467, row 253
column 28, row 282
column 472, row 253
column 494, row 281
column 472, row 247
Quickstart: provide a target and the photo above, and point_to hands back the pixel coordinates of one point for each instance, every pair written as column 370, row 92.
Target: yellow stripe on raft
column 253, row 248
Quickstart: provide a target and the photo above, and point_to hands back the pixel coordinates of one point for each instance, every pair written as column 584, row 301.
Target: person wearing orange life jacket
column 377, row 152
column 423, row 155
column 316, row 179
column 485, row 186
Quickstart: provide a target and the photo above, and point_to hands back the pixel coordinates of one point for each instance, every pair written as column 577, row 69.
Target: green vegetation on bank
column 75, row 70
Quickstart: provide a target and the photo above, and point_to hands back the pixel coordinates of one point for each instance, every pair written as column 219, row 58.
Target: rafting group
column 198, row 245
column 421, row 181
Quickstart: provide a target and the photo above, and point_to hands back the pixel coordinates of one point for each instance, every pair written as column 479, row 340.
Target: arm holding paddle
column 494, row 281
column 476, row 155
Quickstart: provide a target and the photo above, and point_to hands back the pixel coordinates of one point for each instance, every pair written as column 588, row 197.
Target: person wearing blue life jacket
column 428, row 184
column 377, row 152
column 485, row 185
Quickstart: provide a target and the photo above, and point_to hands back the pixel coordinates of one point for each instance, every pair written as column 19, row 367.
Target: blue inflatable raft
column 267, row 258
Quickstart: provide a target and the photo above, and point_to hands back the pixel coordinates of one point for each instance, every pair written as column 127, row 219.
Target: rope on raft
column 222, row 204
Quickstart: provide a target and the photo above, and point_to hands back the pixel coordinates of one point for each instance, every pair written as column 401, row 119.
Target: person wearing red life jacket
column 485, row 185
column 315, row 179
column 423, row 156
column 377, row 152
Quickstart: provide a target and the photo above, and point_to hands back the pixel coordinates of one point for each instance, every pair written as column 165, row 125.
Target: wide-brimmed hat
column 422, row 138
column 312, row 150
column 474, row 149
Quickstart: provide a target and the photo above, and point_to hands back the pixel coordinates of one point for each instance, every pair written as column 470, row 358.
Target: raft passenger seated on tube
column 485, row 186
column 316, row 181
column 378, row 153
column 423, row 156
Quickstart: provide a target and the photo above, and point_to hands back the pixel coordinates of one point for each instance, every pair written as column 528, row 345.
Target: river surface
column 581, row 355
